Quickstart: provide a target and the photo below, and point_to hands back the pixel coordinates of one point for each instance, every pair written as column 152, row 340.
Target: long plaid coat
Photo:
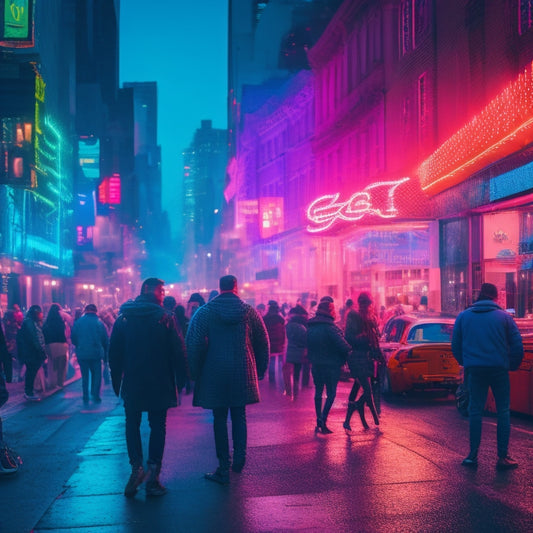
column 227, row 348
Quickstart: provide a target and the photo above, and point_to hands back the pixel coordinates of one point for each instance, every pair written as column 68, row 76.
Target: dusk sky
column 181, row 45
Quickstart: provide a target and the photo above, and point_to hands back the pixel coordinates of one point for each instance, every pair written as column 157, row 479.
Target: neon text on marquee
column 376, row 199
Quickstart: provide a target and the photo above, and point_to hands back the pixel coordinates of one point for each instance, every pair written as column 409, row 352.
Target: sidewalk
column 16, row 399
column 402, row 477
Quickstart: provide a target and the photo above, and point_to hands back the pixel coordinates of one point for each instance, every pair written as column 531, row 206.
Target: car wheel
column 462, row 399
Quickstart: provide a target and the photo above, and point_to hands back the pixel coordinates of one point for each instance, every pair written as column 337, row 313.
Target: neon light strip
column 501, row 128
column 523, row 127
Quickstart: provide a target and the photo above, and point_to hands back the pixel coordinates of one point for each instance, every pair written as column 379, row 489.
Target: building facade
column 419, row 186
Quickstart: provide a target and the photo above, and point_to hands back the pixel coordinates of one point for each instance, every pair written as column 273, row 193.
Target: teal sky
column 181, row 45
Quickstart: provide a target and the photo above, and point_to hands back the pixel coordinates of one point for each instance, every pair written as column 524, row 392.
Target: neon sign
column 376, row 199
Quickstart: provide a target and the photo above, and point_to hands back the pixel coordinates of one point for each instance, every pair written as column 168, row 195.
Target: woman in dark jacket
column 296, row 329
column 327, row 351
column 55, row 339
column 362, row 333
column 275, row 326
column 31, row 348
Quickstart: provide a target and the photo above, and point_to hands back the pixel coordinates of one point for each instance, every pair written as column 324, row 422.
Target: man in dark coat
column 227, row 345
column 147, row 362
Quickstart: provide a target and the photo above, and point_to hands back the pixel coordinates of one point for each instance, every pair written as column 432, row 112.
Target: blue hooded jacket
column 486, row 335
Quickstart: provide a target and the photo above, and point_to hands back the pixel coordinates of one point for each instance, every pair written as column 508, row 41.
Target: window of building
column 406, row 26
column 375, row 44
column 525, row 15
column 421, row 19
column 406, row 115
column 422, row 107
column 363, row 50
column 414, row 23
column 352, row 63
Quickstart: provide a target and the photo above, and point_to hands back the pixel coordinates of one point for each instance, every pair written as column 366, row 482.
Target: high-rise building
column 204, row 176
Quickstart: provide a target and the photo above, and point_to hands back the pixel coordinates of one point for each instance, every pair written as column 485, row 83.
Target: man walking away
column 487, row 343
column 228, row 349
column 147, row 362
column 89, row 335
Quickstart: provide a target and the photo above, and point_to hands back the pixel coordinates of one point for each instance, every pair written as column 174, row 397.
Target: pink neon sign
column 376, row 199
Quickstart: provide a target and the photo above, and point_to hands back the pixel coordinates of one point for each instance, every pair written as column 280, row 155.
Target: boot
column 372, row 408
column 325, row 414
column 318, row 411
column 136, row 478
column 220, row 476
column 360, row 404
column 153, row 486
column 287, row 374
column 376, row 393
column 352, row 406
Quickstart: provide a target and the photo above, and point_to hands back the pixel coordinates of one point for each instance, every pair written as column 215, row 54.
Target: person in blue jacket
column 486, row 341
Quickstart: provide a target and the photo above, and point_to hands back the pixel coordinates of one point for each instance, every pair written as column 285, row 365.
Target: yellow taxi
column 418, row 353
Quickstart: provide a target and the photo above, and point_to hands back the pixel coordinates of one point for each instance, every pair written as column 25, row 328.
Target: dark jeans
column 238, row 433
column 156, row 446
column 92, row 367
column 325, row 376
column 32, row 367
column 479, row 381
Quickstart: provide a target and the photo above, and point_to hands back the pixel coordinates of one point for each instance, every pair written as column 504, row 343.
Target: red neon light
column 325, row 211
column 504, row 126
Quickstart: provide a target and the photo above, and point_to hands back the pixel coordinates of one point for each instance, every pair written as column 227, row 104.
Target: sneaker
column 506, row 463
column 136, row 479
column 470, row 461
column 154, row 488
column 32, row 397
column 219, row 476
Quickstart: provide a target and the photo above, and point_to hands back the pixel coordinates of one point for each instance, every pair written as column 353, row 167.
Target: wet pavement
column 403, row 477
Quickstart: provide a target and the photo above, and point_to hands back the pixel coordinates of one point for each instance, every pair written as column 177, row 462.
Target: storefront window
column 454, row 246
column 525, row 272
column 500, row 255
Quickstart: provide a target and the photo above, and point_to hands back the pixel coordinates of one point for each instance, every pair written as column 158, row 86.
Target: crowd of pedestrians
column 155, row 349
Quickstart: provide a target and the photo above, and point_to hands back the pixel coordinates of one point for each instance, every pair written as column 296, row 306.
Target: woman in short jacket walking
column 296, row 349
column 327, row 351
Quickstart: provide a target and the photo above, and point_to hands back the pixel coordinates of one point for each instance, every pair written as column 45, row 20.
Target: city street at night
column 404, row 477
column 215, row 190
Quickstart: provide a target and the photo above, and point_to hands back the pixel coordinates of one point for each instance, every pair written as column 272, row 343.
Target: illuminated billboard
column 89, row 157
column 109, row 191
column 270, row 216
column 16, row 23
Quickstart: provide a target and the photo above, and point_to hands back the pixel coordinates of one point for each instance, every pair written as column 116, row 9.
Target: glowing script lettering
column 376, row 199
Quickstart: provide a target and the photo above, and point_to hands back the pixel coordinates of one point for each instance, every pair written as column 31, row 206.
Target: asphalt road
column 405, row 476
